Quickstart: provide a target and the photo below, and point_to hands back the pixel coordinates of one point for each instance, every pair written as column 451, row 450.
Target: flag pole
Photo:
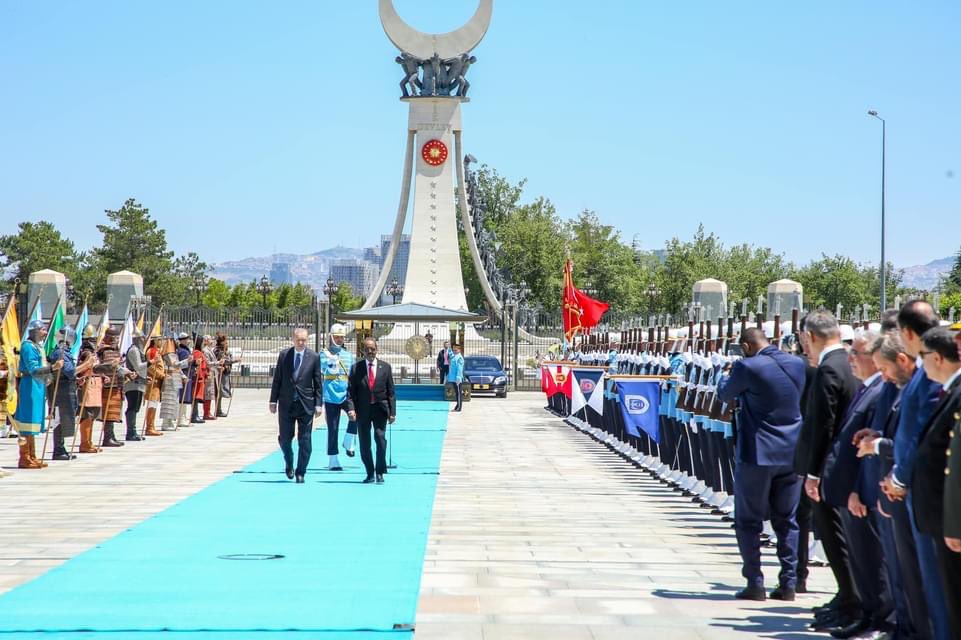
column 104, row 410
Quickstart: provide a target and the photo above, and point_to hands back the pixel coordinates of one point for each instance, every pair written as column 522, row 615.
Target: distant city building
column 360, row 274
column 280, row 274
column 373, row 255
column 399, row 269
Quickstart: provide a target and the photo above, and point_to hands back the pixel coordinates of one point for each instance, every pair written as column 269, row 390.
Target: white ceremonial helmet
column 338, row 329
column 847, row 333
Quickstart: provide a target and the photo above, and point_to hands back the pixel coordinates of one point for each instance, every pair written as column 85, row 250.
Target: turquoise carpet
column 350, row 568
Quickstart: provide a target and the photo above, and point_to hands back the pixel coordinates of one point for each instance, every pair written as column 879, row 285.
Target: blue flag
column 587, row 379
column 640, row 402
column 79, row 327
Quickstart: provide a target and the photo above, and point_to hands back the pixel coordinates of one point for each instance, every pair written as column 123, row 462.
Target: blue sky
column 250, row 127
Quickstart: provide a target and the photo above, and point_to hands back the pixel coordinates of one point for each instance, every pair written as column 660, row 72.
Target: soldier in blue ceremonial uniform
column 335, row 364
column 35, row 374
column 66, row 398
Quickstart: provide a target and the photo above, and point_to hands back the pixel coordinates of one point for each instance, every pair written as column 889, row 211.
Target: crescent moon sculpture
column 445, row 45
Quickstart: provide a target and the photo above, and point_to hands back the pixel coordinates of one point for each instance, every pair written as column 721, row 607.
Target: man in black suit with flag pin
column 371, row 402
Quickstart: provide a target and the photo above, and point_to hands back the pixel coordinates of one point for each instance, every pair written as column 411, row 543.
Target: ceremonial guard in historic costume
column 35, row 374
column 335, row 364
column 212, row 388
column 90, row 387
column 185, row 358
column 223, row 354
column 136, row 383
column 5, row 380
column 112, row 394
column 156, row 375
column 198, row 380
column 173, row 386
column 65, row 402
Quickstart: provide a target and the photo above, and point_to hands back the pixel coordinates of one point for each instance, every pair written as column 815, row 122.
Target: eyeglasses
column 923, row 353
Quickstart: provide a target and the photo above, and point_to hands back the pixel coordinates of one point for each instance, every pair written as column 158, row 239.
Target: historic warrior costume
column 113, row 379
column 185, row 357
column 198, row 380
column 222, row 353
column 90, row 384
column 156, row 374
column 335, row 363
column 66, row 395
column 212, row 388
column 135, row 385
column 172, row 386
column 29, row 418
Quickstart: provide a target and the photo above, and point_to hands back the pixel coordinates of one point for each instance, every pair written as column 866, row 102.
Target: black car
column 486, row 375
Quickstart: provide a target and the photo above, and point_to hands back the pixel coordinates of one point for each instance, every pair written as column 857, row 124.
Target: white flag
column 126, row 339
column 596, row 401
column 578, row 401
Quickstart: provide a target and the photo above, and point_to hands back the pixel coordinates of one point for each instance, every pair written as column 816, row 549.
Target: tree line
column 535, row 241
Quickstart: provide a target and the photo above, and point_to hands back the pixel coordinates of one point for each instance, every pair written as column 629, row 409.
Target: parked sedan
column 486, row 375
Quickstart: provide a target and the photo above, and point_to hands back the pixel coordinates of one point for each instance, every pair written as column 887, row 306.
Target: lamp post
column 884, row 293
column 394, row 290
column 652, row 293
column 264, row 288
column 330, row 288
column 199, row 286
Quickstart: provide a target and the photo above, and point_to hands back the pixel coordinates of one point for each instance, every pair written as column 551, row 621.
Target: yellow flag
column 155, row 332
column 9, row 342
column 140, row 321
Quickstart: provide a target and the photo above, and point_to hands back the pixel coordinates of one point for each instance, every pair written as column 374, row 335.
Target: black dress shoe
column 336, row 469
column 64, row 456
column 368, row 480
column 111, row 443
column 349, row 452
column 835, row 623
column 849, row 631
column 783, row 593
column 290, row 473
column 300, row 479
column 133, row 437
column 802, row 586
column 380, row 478
column 754, row 592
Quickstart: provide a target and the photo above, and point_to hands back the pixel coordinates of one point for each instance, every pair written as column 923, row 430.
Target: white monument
column 121, row 286
column 783, row 296
column 434, row 86
column 50, row 286
column 712, row 296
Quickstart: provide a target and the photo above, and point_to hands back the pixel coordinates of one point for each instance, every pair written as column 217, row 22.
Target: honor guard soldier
column 335, row 364
column 113, row 380
column 185, row 358
column 156, row 377
column 90, row 387
column 136, row 383
column 35, row 374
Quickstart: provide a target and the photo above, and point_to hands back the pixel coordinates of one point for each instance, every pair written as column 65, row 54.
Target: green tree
column 833, row 280
column 36, row 246
column 499, row 195
column 132, row 240
column 952, row 281
column 748, row 270
column 217, row 295
column 301, row 295
column 533, row 249
column 684, row 264
column 604, row 267
column 344, row 299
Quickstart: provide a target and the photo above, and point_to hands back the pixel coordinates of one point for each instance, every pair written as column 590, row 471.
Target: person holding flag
column 9, row 363
column 156, row 378
column 580, row 311
column 63, row 394
column 35, row 374
column 90, row 384
column 136, row 384
column 112, row 395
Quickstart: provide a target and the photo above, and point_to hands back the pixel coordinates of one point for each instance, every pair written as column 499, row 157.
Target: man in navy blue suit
column 768, row 384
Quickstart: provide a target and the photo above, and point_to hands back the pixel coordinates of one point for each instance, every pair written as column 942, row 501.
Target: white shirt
column 867, row 382
column 954, row 376
column 827, row 350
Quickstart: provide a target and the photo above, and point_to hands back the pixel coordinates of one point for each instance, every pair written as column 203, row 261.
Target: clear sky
column 250, row 127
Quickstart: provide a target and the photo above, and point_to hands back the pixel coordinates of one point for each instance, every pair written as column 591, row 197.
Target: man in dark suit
column 942, row 365
column 876, row 445
column 443, row 362
column 296, row 395
column 841, row 488
column 833, row 388
column 952, row 492
column 768, row 385
column 371, row 402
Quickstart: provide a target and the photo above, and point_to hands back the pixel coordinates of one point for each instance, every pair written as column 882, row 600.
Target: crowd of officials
column 849, row 437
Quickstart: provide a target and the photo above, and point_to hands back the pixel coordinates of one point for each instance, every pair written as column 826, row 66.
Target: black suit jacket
column 803, row 450
column 307, row 386
column 952, row 482
column 440, row 359
column 930, row 458
column 832, row 389
column 842, row 466
column 358, row 391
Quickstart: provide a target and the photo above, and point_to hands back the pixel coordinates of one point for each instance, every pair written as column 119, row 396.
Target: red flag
column 561, row 381
column 547, row 382
column 581, row 312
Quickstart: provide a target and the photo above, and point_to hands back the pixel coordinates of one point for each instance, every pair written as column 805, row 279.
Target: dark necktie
column 297, row 358
column 370, row 380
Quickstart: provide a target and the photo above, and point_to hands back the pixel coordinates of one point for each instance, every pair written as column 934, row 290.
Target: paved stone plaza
column 537, row 531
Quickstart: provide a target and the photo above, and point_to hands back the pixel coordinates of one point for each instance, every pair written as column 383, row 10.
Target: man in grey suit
column 297, row 392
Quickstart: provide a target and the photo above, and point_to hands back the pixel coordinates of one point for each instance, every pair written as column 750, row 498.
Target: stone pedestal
column 51, row 286
column 121, row 286
column 712, row 294
column 786, row 293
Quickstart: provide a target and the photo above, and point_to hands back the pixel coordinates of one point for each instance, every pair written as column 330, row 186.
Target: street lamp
column 199, row 286
column 264, row 288
column 394, row 290
column 884, row 293
column 330, row 288
column 652, row 293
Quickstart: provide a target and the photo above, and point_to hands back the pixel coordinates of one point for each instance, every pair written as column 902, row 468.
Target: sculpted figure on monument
column 411, row 67
column 457, row 70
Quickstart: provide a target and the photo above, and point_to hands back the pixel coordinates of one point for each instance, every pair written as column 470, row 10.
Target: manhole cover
column 251, row 556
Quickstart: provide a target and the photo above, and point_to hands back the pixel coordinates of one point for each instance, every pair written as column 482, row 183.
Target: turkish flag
column 591, row 309
column 580, row 311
